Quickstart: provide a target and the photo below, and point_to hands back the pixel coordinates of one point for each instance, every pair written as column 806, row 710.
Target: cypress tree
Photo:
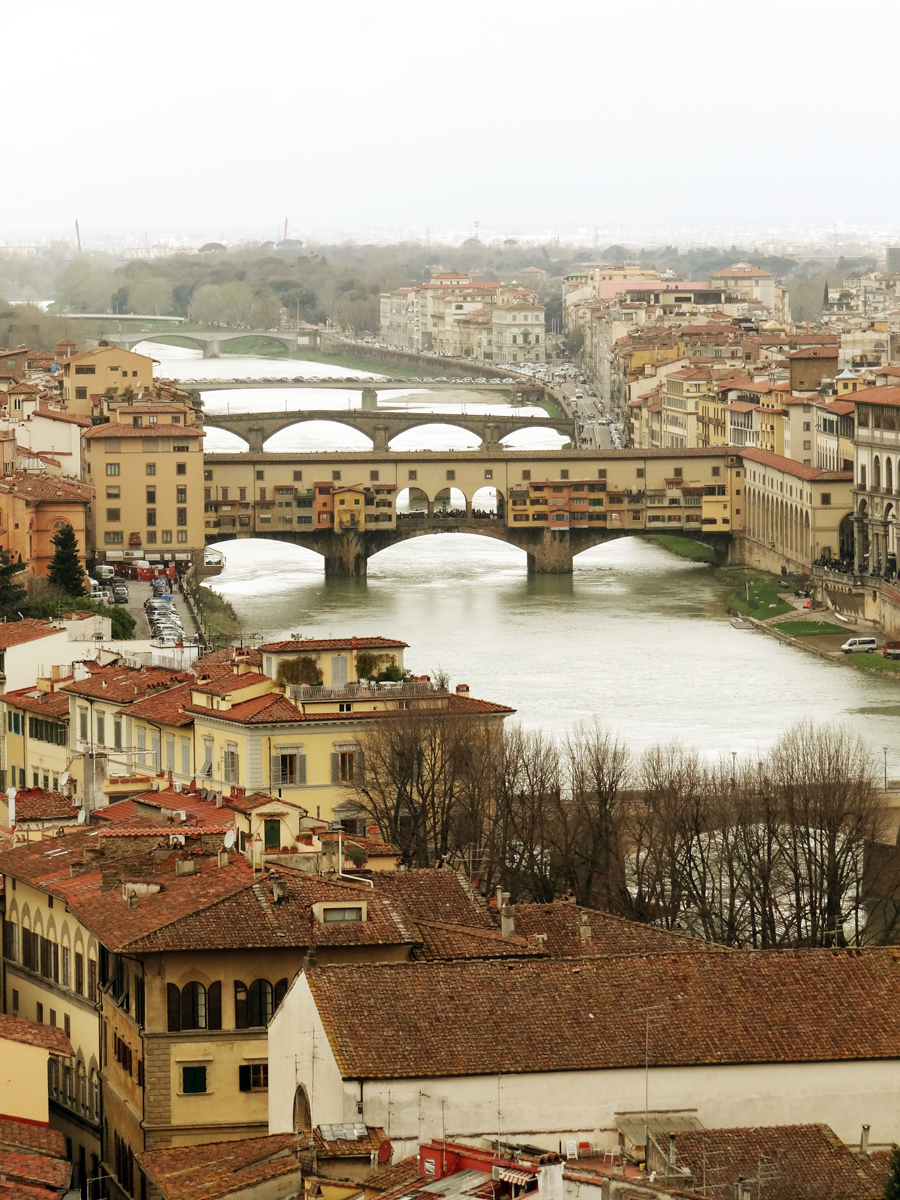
column 66, row 572
column 12, row 594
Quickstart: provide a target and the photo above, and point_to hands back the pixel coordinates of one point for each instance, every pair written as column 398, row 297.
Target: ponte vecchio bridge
column 551, row 504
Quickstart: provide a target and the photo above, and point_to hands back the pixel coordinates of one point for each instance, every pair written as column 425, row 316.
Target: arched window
column 193, row 1007
column 254, row 1005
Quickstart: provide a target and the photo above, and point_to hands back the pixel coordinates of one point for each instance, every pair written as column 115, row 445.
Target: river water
column 635, row 637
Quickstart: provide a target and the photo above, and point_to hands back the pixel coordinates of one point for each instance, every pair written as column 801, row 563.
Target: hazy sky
column 226, row 115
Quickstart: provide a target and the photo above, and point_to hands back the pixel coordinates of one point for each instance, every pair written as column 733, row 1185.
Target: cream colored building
column 89, row 376
column 149, row 490
column 518, row 333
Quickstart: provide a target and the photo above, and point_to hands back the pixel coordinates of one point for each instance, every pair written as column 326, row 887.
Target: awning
column 519, row 1177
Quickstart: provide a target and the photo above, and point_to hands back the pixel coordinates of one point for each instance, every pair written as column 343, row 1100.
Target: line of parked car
column 162, row 615
column 106, row 587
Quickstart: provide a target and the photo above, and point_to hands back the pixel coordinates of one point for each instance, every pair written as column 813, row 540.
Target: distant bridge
column 209, row 341
column 383, row 426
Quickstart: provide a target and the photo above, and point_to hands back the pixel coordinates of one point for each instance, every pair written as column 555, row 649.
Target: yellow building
column 33, row 509
column 25, row 1051
column 36, row 735
column 149, row 489
column 52, row 976
column 88, row 377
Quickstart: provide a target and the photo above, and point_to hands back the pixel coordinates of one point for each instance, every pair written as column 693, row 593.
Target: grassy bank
column 876, row 663
column 685, row 547
column 219, row 618
column 761, row 589
column 799, row 629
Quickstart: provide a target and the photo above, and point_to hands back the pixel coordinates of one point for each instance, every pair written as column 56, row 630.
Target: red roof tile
column 308, row 645
column 17, row 633
column 143, row 431
column 126, row 685
column 31, row 1033
column 442, row 1019
column 209, row 1170
column 34, row 804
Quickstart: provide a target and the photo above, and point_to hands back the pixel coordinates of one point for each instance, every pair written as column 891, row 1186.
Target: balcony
column 365, row 691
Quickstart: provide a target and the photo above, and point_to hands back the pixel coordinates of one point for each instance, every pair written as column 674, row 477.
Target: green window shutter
column 173, row 1001
column 301, row 769
column 360, row 768
column 335, row 768
column 244, row 1078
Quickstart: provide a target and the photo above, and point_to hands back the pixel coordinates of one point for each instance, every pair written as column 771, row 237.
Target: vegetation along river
column 634, row 637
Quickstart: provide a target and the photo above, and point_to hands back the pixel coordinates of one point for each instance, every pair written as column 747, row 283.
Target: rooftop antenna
column 477, row 223
column 285, row 230
column 78, row 235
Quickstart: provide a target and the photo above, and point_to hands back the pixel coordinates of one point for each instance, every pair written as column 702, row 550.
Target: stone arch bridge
column 381, row 426
column 549, row 551
column 209, row 341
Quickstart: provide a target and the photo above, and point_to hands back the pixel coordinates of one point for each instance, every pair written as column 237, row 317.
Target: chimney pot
column 508, row 920
column 864, row 1140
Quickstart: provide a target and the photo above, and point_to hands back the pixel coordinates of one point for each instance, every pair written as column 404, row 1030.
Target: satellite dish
column 385, row 1151
column 64, row 779
column 11, row 793
column 228, row 841
column 82, row 816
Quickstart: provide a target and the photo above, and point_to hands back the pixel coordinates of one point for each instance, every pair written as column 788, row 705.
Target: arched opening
column 890, row 537
column 450, row 502
column 252, row 344
column 317, row 435
column 889, row 475
column 223, row 441
column 487, row 503
column 541, row 438
column 845, row 537
column 435, row 436
column 412, row 502
column 876, row 473
column 302, row 1112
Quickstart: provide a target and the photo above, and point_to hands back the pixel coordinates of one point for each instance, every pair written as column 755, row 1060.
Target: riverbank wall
column 747, row 552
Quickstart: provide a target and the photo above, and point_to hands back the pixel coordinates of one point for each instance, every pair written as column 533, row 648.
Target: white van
column 104, row 572
column 860, row 645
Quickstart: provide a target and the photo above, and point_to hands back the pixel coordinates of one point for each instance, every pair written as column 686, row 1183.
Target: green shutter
column 301, row 769
column 335, row 768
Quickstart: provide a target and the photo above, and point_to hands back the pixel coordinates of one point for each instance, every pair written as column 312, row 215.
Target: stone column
column 345, row 555
column 859, row 526
column 369, row 399
column 380, row 437
column 468, row 509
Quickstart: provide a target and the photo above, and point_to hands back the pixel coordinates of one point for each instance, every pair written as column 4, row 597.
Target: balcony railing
column 365, row 691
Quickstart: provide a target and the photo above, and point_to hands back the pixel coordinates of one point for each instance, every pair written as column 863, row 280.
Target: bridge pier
column 380, row 437
column 210, row 349
column 345, row 556
column 551, row 553
column 369, row 399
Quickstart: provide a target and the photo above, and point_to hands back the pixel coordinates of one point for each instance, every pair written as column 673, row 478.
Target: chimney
column 184, row 866
column 279, row 890
column 508, row 920
column 584, row 929
column 864, row 1140
column 131, row 900
column 223, row 858
column 672, row 1155
column 462, row 689
column 374, row 833
column 218, row 799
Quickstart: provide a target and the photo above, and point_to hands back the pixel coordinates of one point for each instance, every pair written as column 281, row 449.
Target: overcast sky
column 523, row 116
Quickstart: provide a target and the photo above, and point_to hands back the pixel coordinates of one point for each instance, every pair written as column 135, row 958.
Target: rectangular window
column 112, row 468
column 113, row 537
column 193, row 1080
column 92, row 979
column 342, row 916
column 488, row 474
column 150, row 468
column 181, row 468
column 260, row 474
column 182, row 536
column 526, row 475
column 373, row 476
column 564, row 474
column 151, row 517
column 336, row 476
column 207, row 475
column 151, row 495
column 79, row 973
column 242, row 493
column 207, row 768
column 151, row 537
column 230, row 763
column 179, row 448
column 181, row 516
column 81, row 393
column 101, row 729
column 39, row 1012
column 185, row 756
column 271, row 833
column 114, row 514
column 413, row 475
column 298, row 476
column 253, row 1077
column 288, row 769
column 181, row 495
column 113, row 492
column 347, row 760
column 826, row 498
column 166, row 535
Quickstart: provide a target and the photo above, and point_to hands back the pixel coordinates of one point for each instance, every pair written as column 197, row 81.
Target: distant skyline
column 216, row 117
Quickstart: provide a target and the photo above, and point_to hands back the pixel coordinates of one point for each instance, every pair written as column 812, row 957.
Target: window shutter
column 280, row 990
column 335, row 768
column 240, row 1005
column 244, row 1081
column 360, row 768
column 173, row 1003
column 301, row 769
column 214, row 1006
column 275, row 770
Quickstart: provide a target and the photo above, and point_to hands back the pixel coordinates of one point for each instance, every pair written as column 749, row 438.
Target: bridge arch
column 287, row 343
column 401, row 439
column 341, row 434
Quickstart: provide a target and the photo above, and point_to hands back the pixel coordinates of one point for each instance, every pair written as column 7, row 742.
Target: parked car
column 891, row 650
column 120, row 594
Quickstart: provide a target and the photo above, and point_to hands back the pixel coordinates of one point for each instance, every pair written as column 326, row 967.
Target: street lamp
column 885, row 749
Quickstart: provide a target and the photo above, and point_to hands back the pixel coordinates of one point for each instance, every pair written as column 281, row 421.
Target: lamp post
column 885, row 749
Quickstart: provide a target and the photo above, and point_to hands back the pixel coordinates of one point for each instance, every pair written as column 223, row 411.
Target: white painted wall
column 548, row 1107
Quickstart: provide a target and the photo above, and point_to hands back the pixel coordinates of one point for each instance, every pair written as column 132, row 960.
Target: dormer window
column 340, row 914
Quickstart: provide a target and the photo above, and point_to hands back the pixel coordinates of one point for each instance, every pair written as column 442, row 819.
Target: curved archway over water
column 223, row 441
column 317, row 436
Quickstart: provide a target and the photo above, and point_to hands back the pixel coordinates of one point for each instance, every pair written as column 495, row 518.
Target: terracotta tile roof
column 247, row 803
column 442, row 1019
column 559, row 925
column 309, row 645
column 800, row 1161
column 143, row 431
column 32, row 1033
column 167, row 707
column 878, row 395
column 434, row 895
column 33, row 804
column 17, row 633
column 767, row 459
column 209, row 1170
column 251, row 918
column 221, row 658
column 347, row 1147
column 126, row 685
column 444, row 940
column 47, row 487
column 44, row 409
column 741, row 271
column 155, row 807
column 29, row 1174
column 53, row 706
column 400, row 1174
column 827, row 351
column 272, row 708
